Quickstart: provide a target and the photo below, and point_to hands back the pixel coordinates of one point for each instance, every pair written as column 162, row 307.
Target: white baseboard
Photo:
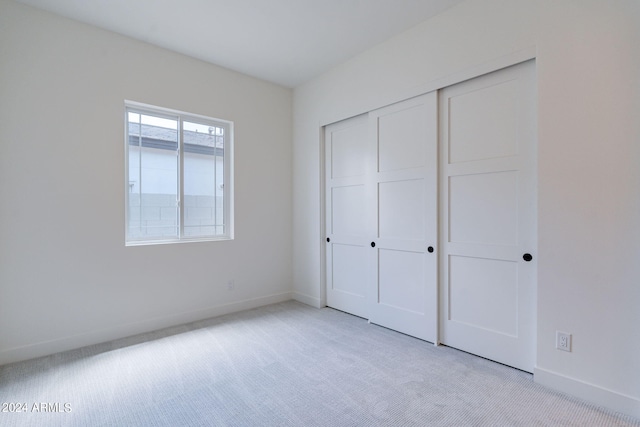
column 46, row 348
column 307, row 299
column 610, row 399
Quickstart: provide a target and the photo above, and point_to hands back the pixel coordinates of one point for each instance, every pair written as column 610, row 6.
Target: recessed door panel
column 401, row 138
column 348, row 210
column 349, row 268
column 483, row 208
column 402, row 209
column 483, row 123
column 401, row 280
column 483, row 293
column 347, row 145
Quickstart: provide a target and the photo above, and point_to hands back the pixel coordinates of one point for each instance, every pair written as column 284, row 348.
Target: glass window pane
column 203, row 177
column 153, row 177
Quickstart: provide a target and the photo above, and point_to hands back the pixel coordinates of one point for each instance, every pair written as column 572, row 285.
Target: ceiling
column 287, row 42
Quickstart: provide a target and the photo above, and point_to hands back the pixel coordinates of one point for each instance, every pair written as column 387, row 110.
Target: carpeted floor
column 282, row 365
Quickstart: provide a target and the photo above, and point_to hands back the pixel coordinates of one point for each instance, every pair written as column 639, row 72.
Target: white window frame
column 181, row 116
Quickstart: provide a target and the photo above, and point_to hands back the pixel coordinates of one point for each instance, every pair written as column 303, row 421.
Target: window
column 178, row 183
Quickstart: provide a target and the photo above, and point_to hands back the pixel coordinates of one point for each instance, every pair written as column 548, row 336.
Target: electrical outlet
column 231, row 284
column 563, row 341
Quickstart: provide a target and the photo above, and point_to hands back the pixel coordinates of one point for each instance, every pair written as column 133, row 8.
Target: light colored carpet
column 284, row 365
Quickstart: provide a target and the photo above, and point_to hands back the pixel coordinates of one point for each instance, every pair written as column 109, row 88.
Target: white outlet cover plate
column 563, row 341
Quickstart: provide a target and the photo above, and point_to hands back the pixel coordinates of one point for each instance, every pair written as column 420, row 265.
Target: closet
column 431, row 216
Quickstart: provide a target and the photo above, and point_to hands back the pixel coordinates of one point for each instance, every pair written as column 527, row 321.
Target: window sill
column 172, row 241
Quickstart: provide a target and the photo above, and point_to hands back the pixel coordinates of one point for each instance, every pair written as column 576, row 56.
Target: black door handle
column 430, row 249
column 527, row 257
column 373, row 244
column 328, row 240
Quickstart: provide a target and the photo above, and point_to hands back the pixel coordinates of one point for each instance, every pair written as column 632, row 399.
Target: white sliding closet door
column 402, row 204
column 488, row 214
column 346, row 146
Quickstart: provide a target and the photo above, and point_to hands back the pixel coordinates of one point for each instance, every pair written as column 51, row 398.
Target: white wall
column 588, row 68
column 69, row 280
